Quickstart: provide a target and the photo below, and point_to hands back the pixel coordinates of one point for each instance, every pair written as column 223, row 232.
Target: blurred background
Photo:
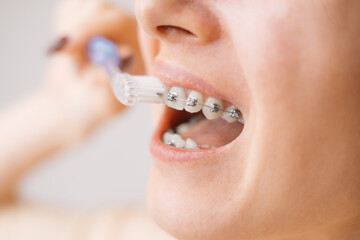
column 100, row 171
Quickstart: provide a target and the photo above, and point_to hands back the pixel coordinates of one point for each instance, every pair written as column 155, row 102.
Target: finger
column 96, row 19
column 57, row 46
column 98, row 81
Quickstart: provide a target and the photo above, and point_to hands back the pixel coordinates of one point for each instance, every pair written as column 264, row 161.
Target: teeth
column 212, row 109
column 167, row 136
column 184, row 127
column 232, row 114
column 194, row 102
column 175, row 140
column 190, row 144
column 195, row 120
column 241, row 119
column 173, row 98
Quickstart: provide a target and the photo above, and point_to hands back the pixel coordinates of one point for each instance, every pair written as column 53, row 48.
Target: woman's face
column 293, row 70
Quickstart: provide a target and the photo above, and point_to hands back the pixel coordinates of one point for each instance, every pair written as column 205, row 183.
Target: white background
column 111, row 167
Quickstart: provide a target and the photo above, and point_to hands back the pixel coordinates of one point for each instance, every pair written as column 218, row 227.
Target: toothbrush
column 128, row 89
column 131, row 90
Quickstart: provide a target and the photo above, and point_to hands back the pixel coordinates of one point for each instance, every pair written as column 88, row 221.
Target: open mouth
column 197, row 121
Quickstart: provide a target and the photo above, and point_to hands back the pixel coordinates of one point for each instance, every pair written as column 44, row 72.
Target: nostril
column 174, row 30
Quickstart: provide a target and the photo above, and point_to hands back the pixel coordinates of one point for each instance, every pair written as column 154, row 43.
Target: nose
column 175, row 21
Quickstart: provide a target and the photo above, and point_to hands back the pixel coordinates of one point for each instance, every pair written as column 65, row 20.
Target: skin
column 76, row 97
column 74, row 100
column 293, row 69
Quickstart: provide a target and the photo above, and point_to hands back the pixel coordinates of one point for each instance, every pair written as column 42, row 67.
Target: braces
column 193, row 101
column 130, row 90
column 171, row 143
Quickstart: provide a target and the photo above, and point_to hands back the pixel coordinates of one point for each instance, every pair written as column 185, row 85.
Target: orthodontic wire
column 203, row 105
column 239, row 118
column 200, row 104
column 130, row 90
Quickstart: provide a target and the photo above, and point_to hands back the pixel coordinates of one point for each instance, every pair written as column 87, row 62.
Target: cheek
column 269, row 50
column 270, row 53
column 297, row 142
column 270, row 59
column 149, row 49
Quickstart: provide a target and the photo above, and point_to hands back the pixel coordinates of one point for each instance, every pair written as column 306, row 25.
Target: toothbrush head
column 103, row 52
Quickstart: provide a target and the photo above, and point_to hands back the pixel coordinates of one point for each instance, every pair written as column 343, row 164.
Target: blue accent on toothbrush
column 104, row 53
column 128, row 89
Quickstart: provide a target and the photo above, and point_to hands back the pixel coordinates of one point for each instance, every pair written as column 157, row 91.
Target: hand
column 79, row 86
column 76, row 97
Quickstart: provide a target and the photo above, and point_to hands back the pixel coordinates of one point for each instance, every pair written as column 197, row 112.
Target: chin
column 197, row 205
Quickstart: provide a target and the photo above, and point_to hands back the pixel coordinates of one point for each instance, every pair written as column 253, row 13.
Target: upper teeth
column 232, row 114
column 212, row 108
column 172, row 96
column 212, row 111
column 191, row 101
column 175, row 98
column 194, row 102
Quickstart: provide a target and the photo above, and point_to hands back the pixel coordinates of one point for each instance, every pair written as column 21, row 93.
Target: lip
column 170, row 154
column 175, row 77
column 172, row 76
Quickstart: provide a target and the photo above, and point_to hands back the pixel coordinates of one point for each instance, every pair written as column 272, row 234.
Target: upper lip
column 173, row 76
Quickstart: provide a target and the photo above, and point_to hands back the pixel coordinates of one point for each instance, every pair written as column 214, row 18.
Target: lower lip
column 165, row 153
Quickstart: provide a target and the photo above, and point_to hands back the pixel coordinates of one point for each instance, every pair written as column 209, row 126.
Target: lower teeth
column 174, row 139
